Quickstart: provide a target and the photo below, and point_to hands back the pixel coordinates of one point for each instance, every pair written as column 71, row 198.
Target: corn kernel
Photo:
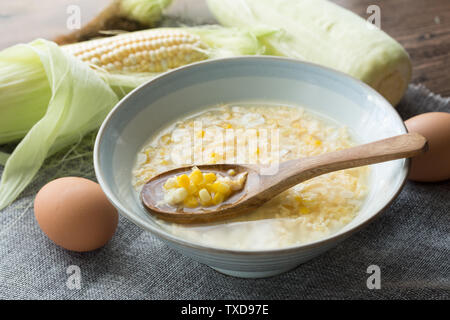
column 211, row 161
column 296, row 124
column 209, row 187
column 218, row 198
column 205, row 203
column 190, row 202
column 176, row 196
column 231, row 172
column 209, row 177
column 312, row 141
column 192, row 189
column 183, row 181
column 220, row 187
column 303, row 210
column 171, row 183
column 308, row 202
column 180, row 194
column 196, row 177
column 204, row 195
column 166, row 139
column 200, row 134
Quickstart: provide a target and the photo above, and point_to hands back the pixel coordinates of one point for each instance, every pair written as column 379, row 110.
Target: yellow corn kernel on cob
column 147, row 51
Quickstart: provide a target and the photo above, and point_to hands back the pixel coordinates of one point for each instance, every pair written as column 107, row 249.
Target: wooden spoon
column 260, row 188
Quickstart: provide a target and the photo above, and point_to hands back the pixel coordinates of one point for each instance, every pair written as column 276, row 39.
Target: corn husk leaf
column 3, row 157
column 24, row 92
column 79, row 102
column 322, row 32
column 147, row 12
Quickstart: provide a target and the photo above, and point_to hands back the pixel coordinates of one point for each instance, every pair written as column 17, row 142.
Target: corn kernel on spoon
column 258, row 188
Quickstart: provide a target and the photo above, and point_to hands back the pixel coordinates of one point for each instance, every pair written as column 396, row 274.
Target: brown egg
column 75, row 213
column 433, row 165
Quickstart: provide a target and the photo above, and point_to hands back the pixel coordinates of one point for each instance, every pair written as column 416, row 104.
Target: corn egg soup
column 304, row 213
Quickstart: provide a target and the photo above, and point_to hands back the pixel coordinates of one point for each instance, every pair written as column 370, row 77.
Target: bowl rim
column 333, row 238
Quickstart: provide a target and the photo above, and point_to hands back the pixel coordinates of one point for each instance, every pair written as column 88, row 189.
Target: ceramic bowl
column 244, row 79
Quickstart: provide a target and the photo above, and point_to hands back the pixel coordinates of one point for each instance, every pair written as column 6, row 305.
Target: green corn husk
column 79, row 102
column 322, row 32
column 51, row 99
column 147, row 12
column 24, row 92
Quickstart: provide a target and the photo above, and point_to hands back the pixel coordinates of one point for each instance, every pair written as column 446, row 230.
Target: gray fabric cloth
column 410, row 243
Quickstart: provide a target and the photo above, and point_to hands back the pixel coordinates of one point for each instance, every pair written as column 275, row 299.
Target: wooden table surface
column 421, row 26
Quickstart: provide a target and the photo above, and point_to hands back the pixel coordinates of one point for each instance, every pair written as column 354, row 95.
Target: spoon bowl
column 152, row 193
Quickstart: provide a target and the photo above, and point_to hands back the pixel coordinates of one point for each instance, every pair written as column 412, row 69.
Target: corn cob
column 150, row 51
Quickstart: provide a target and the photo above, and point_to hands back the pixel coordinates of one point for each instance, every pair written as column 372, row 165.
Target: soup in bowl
column 244, row 110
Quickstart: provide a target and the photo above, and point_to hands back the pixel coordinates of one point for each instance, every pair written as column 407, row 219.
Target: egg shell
column 434, row 164
column 75, row 214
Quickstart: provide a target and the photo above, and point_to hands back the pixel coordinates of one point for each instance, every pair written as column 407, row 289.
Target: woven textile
column 410, row 242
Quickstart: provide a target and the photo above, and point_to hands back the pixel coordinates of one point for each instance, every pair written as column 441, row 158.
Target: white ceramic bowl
column 151, row 106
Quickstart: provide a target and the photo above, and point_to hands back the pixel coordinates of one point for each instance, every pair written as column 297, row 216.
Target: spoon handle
column 294, row 172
